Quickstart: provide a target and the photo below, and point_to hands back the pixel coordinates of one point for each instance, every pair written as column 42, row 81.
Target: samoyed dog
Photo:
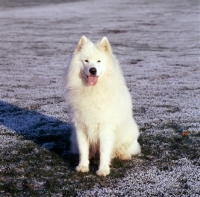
column 100, row 107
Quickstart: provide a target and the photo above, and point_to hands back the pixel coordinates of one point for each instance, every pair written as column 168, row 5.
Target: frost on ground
column 157, row 44
column 155, row 182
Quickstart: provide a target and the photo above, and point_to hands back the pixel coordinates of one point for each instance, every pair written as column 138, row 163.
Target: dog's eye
column 99, row 61
column 86, row 60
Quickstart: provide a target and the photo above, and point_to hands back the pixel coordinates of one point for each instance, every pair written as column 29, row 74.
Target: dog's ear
column 104, row 43
column 82, row 41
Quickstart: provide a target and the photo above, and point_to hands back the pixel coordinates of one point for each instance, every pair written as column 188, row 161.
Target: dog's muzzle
column 92, row 78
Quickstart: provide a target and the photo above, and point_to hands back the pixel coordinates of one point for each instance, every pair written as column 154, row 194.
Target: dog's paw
column 103, row 172
column 82, row 168
column 125, row 157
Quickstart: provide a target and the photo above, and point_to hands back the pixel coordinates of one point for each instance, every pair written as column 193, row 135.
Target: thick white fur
column 101, row 114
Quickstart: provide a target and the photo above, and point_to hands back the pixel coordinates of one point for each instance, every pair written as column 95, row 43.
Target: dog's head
column 94, row 58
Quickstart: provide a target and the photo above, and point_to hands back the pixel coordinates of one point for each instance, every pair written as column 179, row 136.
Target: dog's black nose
column 93, row 71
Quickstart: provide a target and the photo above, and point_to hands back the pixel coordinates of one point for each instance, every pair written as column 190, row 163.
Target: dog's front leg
column 106, row 149
column 83, row 146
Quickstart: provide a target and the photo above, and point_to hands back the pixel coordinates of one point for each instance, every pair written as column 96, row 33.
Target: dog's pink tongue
column 92, row 80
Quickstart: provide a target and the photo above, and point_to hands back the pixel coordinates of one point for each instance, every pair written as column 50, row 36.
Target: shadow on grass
column 46, row 131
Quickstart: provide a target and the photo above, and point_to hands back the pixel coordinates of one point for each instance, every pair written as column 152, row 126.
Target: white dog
column 100, row 107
